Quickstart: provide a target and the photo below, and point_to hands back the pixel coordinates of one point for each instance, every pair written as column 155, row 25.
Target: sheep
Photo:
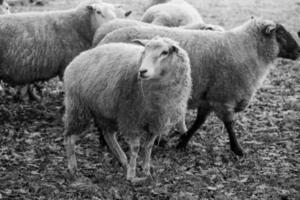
column 203, row 26
column 4, row 8
column 173, row 13
column 122, row 23
column 227, row 67
column 155, row 2
column 140, row 91
column 37, row 46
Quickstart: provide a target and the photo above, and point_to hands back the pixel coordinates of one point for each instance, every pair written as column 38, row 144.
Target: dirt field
column 32, row 155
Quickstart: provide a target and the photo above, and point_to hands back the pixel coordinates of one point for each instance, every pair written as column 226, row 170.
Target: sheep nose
column 143, row 72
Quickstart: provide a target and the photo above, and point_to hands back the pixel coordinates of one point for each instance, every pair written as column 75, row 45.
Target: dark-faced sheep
column 39, row 45
column 172, row 13
column 140, row 91
column 227, row 67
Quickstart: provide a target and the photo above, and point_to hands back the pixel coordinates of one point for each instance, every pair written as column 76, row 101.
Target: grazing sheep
column 122, row 23
column 227, row 67
column 39, row 45
column 173, row 13
column 140, row 91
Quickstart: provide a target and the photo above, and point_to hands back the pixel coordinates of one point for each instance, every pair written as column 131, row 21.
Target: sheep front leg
column 70, row 141
column 114, row 146
column 147, row 157
column 181, row 126
column 226, row 115
column 234, row 144
column 134, row 144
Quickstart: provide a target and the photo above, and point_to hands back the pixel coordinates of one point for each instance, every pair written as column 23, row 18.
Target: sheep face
column 101, row 13
column 4, row 8
column 288, row 46
column 157, row 59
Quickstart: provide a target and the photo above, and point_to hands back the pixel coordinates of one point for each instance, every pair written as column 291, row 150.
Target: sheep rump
column 227, row 67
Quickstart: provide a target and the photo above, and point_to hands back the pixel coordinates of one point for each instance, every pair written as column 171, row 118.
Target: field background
column 32, row 156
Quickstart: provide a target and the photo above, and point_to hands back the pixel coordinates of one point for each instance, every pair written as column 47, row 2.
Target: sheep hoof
column 162, row 142
column 181, row 145
column 136, row 180
column 237, row 150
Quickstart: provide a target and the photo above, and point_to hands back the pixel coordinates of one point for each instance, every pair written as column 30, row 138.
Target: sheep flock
column 137, row 80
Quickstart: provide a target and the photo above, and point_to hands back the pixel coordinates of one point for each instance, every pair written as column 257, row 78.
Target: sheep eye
column 164, row 53
column 99, row 12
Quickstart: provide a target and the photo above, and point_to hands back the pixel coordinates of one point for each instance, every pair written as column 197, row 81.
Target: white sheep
column 227, row 67
column 203, row 26
column 140, row 91
column 173, row 13
column 39, row 45
column 115, row 24
column 154, row 2
column 4, row 7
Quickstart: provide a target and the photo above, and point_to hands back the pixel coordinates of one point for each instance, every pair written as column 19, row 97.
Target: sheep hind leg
column 202, row 113
column 147, row 157
column 226, row 115
column 114, row 146
column 76, row 120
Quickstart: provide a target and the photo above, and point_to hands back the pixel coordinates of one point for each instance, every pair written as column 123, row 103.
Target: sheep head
column 274, row 40
column 158, row 58
column 288, row 46
column 4, row 8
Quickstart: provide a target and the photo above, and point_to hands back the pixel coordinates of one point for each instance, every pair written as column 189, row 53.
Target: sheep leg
column 134, row 144
column 234, row 144
column 147, row 157
column 181, row 126
column 114, row 146
column 202, row 113
column 226, row 115
column 70, row 141
column 32, row 92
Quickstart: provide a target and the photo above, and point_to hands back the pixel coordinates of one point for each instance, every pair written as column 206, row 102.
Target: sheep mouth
column 143, row 76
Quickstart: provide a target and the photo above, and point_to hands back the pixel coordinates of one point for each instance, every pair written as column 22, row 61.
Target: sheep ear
column 173, row 49
column 126, row 14
column 140, row 42
column 90, row 7
column 270, row 29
